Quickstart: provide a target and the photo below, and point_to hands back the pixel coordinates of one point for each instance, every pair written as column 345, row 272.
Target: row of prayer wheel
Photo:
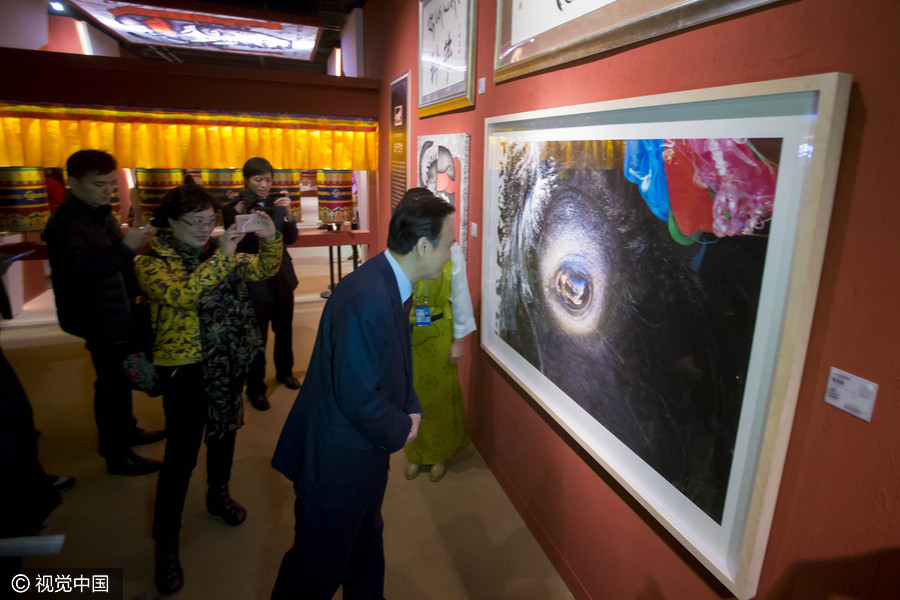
column 24, row 205
column 23, row 199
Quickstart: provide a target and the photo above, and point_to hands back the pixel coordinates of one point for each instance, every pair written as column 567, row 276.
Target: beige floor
column 459, row 538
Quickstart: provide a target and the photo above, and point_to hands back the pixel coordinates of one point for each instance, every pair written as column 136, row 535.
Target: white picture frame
column 533, row 35
column 806, row 116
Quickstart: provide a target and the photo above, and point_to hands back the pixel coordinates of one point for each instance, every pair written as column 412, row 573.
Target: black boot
column 219, row 502
column 169, row 576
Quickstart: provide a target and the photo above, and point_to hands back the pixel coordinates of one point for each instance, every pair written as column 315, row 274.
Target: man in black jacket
column 91, row 264
column 273, row 298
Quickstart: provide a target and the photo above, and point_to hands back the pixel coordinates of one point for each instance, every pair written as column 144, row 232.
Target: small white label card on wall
column 851, row 394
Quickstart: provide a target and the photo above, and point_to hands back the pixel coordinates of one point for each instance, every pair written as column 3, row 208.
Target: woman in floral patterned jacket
column 205, row 336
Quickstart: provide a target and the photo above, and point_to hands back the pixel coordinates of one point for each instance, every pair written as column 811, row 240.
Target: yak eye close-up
column 574, row 287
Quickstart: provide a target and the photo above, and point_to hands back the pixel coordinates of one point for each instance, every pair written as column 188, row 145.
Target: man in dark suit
column 357, row 406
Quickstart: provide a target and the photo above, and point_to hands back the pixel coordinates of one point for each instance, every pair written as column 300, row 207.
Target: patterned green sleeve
column 256, row 267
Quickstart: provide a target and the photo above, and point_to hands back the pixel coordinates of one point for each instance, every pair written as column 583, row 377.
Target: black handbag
column 138, row 365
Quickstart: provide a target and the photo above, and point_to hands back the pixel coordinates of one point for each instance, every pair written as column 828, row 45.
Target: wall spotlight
column 57, row 6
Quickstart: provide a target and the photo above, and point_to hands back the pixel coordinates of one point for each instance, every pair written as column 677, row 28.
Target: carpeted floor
column 459, row 538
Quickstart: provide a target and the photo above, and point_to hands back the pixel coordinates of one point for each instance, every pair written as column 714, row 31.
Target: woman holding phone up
column 205, row 336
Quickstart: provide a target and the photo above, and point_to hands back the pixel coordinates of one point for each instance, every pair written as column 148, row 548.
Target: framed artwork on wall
column 399, row 137
column 446, row 55
column 443, row 168
column 650, row 273
column 534, row 34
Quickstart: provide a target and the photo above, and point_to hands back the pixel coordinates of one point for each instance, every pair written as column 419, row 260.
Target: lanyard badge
column 423, row 311
column 423, row 315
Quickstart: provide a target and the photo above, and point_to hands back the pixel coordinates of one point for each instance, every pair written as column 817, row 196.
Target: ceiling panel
column 331, row 15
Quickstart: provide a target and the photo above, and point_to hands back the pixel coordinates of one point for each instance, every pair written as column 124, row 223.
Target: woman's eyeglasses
column 199, row 224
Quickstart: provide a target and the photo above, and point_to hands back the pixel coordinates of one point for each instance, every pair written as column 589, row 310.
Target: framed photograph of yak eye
column 446, row 55
column 650, row 273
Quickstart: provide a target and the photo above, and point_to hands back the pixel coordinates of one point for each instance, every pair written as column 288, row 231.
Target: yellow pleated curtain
column 45, row 136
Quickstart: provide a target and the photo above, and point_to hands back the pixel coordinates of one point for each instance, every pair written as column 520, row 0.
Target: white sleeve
column 463, row 315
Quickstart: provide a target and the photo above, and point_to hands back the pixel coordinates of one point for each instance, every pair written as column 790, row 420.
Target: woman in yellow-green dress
column 437, row 348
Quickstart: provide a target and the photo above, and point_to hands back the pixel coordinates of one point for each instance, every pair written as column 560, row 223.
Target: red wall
column 836, row 530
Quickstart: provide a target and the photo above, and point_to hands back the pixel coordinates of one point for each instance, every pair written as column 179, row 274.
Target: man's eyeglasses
column 199, row 224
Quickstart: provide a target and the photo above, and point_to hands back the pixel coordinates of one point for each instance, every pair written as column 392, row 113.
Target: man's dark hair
column 417, row 192
column 85, row 162
column 183, row 199
column 257, row 166
column 418, row 215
